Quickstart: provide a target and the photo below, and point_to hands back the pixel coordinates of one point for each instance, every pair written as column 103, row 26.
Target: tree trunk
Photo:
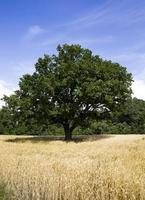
column 68, row 133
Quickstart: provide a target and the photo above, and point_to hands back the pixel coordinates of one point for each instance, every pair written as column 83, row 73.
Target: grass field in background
column 95, row 168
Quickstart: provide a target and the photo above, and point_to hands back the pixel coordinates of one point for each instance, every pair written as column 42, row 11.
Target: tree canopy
column 70, row 88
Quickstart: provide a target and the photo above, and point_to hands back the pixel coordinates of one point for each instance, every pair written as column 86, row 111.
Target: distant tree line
column 73, row 92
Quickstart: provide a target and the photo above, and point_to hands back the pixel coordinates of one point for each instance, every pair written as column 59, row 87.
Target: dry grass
column 112, row 168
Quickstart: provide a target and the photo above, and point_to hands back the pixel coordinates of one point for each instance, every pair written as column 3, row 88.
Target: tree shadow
column 76, row 139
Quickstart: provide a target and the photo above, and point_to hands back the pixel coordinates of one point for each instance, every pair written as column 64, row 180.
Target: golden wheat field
column 102, row 168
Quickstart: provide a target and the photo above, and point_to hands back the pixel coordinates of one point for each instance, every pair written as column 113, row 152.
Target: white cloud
column 33, row 31
column 5, row 89
column 138, row 88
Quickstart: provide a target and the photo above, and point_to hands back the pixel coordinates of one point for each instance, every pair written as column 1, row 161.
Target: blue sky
column 113, row 29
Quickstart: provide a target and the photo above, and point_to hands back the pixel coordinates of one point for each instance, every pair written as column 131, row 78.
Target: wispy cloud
column 33, row 31
column 71, row 30
column 108, row 13
column 103, row 19
column 97, row 15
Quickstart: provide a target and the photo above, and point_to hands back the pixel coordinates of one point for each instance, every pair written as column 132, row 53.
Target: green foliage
column 6, row 122
column 129, row 119
column 133, row 114
column 69, row 89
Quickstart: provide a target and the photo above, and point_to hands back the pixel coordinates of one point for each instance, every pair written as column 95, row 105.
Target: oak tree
column 71, row 88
